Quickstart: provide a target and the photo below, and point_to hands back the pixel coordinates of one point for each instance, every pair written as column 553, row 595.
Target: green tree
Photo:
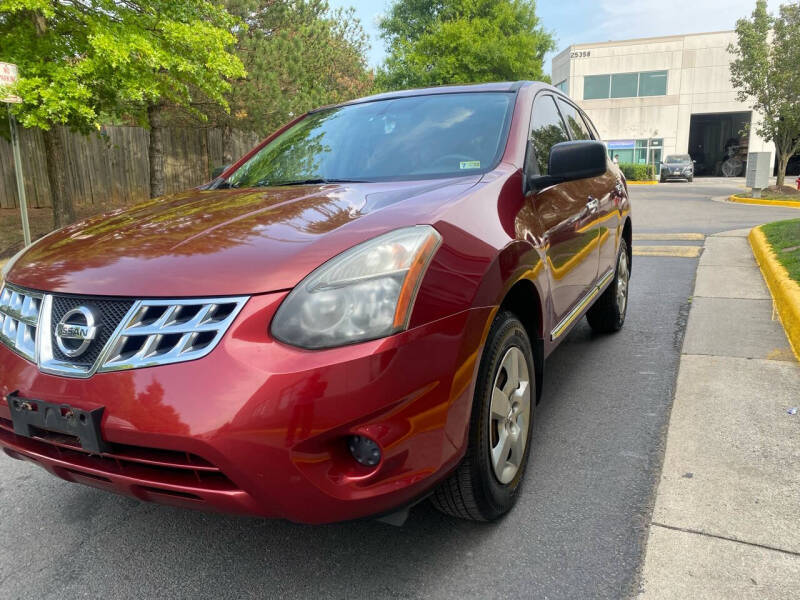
column 81, row 61
column 765, row 72
column 436, row 42
column 299, row 55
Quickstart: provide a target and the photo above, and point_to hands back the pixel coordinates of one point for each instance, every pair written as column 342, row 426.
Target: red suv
column 352, row 318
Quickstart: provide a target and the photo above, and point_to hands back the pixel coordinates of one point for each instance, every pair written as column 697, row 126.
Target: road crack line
column 727, row 539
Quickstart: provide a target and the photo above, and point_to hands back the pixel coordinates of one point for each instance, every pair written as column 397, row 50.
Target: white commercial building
column 652, row 97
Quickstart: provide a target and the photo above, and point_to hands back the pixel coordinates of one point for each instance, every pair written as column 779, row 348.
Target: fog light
column 364, row 450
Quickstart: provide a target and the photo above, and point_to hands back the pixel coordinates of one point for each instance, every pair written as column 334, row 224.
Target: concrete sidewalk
column 726, row 522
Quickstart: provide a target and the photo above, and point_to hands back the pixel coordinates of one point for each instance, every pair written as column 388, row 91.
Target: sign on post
column 9, row 76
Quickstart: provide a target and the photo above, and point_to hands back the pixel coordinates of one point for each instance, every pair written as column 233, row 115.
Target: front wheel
column 486, row 484
column 608, row 313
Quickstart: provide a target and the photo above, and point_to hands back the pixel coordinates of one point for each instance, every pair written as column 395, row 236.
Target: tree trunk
column 156, row 151
column 227, row 145
column 204, row 154
column 783, row 162
column 63, row 211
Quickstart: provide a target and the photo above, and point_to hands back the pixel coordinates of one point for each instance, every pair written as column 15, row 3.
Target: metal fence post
column 23, row 204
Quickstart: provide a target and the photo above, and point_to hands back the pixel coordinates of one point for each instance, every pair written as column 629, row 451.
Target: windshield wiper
column 316, row 180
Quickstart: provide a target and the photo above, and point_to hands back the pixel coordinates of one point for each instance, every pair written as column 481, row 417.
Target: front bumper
column 259, row 428
column 677, row 175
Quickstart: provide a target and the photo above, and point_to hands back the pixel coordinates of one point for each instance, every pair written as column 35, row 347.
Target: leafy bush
column 637, row 172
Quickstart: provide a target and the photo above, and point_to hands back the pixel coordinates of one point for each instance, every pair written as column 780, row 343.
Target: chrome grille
column 132, row 334
column 161, row 332
column 111, row 311
column 19, row 319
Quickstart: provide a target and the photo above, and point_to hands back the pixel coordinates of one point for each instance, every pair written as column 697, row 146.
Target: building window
column 637, row 151
column 562, row 85
column 596, row 86
column 625, row 85
column 641, row 152
column 653, row 83
column 623, row 155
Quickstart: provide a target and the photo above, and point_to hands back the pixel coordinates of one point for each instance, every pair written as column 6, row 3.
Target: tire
column 608, row 313
column 690, row 179
column 484, row 488
column 662, row 180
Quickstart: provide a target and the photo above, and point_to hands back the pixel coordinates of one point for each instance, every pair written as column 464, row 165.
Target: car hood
column 224, row 242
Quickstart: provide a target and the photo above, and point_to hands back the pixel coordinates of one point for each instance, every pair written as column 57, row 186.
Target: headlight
column 365, row 293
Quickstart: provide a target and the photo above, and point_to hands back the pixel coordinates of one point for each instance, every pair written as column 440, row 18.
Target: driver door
column 565, row 214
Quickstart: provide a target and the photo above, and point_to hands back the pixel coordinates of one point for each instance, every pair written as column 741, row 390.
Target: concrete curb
column 642, row 182
column 764, row 202
column 724, row 521
column 785, row 291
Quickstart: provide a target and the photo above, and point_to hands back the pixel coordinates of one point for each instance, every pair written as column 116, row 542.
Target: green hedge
column 635, row 172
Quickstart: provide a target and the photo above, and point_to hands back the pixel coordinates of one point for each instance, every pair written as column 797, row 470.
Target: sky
column 585, row 21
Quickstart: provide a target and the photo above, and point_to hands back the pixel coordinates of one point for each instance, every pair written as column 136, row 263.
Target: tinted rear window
column 577, row 128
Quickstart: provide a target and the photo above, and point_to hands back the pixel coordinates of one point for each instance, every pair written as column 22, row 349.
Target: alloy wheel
column 509, row 415
column 623, row 275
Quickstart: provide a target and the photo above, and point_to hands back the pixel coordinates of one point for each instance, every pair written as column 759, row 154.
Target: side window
column 591, row 126
column 577, row 128
column 547, row 129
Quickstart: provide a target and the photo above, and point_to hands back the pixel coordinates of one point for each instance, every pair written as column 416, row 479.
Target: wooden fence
column 112, row 167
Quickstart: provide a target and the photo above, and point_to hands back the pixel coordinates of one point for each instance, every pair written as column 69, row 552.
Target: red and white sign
column 8, row 76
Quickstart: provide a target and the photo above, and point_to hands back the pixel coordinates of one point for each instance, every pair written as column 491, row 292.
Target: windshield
column 678, row 158
column 417, row 137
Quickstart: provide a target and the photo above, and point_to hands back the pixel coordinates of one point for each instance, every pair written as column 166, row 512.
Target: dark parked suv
column 677, row 166
column 352, row 318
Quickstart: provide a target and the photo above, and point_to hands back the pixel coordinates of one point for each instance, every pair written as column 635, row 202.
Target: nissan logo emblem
column 76, row 330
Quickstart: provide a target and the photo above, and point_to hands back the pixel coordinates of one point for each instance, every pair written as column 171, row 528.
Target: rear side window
column 547, row 129
column 591, row 126
column 577, row 128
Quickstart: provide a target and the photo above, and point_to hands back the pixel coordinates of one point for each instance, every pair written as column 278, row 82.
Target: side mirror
column 570, row 161
column 219, row 171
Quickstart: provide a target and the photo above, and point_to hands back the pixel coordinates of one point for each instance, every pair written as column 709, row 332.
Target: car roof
column 503, row 86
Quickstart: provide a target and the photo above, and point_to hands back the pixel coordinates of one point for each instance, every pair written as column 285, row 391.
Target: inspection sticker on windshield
column 470, row 164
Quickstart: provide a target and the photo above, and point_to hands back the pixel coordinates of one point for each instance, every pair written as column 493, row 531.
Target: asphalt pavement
column 678, row 206
column 578, row 531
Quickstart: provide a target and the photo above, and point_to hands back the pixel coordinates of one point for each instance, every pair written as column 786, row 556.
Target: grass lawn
column 784, row 237
column 789, row 197
column 774, row 193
